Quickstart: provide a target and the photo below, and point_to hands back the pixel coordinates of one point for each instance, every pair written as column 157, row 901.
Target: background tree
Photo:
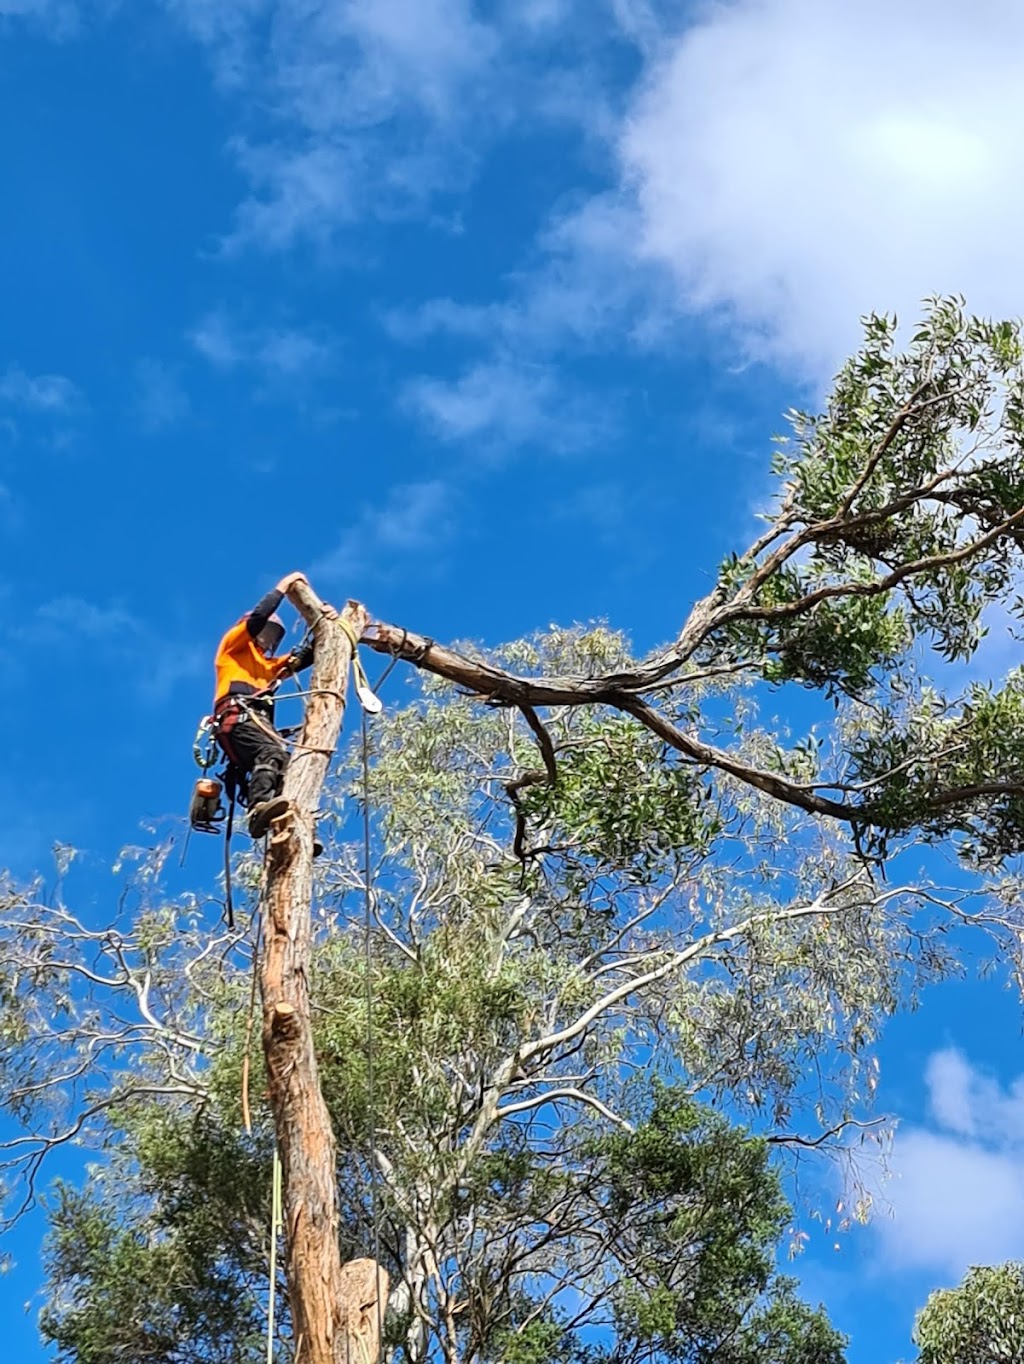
column 979, row 1322
column 675, row 1225
column 672, row 888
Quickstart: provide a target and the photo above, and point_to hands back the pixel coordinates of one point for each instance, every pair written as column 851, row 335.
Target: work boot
column 318, row 847
column 260, row 815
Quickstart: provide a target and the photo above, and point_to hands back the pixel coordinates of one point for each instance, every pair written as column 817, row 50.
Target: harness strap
column 233, row 710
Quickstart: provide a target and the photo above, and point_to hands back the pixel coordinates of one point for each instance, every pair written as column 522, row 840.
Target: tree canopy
column 631, row 935
column 979, row 1322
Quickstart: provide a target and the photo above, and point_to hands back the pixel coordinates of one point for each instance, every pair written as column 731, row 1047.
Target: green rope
column 276, row 1220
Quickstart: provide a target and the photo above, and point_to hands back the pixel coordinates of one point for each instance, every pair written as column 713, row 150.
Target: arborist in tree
column 248, row 670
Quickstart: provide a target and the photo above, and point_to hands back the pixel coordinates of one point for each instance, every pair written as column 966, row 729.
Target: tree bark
column 335, row 1312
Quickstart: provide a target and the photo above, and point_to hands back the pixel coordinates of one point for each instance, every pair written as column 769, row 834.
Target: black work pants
column 257, row 750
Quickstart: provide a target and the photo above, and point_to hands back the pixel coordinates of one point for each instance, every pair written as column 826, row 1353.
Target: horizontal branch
column 794, row 1139
column 554, row 1095
column 619, row 692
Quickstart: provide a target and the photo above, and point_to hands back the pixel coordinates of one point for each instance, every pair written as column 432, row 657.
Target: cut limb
column 364, row 1291
column 621, row 691
column 329, row 1323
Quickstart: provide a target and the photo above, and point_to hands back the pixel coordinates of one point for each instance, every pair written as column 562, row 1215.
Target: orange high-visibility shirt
column 240, row 666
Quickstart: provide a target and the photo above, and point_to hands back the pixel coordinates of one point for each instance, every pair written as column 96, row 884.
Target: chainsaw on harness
column 206, row 809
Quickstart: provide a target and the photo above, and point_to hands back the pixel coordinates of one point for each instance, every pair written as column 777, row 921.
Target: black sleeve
column 263, row 610
column 302, row 657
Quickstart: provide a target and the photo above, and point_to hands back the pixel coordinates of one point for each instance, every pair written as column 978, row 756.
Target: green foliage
column 980, row 1322
column 620, row 801
column 664, row 1238
column 162, row 1257
column 695, row 1209
column 878, row 484
column 976, row 749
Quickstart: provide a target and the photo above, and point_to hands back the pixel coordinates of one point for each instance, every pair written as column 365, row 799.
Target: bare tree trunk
column 335, row 1312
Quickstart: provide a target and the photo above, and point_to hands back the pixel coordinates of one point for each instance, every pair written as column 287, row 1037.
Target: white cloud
column 60, row 18
column 377, row 106
column 583, row 294
column 370, row 100
column 388, row 54
column 642, row 21
column 538, row 16
column 781, row 167
column 972, row 1104
column 227, row 28
column 51, row 393
column 957, row 1197
column 217, row 341
column 305, row 191
column 579, row 298
column 69, row 617
column 279, row 353
column 504, row 403
column 413, row 519
column 160, row 401
column 955, row 1204
column 798, row 162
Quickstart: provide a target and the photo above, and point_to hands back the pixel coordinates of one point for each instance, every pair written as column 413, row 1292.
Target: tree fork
column 336, row 1310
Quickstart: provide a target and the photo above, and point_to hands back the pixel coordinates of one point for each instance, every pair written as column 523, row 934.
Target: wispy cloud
column 377, row 107
column 780, row 167
column 67, row 617
column 280, row 353
column 958, row 1193
column 413, row 519
column 370, row 102
column 229, row 31
column 50, row 393
column 59, row 18
column 507, row 403
column 583, row 294
column 300, row 191
column 160, row 401
column 154, row 663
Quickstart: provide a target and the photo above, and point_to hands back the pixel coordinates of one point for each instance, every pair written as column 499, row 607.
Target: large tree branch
column 572, row 1034
column 620, row 691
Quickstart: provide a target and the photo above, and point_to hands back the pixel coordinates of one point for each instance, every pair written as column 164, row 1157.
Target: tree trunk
column 335, row 1312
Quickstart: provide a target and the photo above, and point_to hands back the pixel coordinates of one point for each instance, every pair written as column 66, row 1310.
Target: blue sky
column 483, row 313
